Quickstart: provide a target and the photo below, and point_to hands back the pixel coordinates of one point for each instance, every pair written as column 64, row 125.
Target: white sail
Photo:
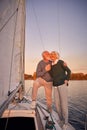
column 12, row 44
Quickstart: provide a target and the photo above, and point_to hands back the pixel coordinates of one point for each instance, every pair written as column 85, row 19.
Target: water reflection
column 77, row 95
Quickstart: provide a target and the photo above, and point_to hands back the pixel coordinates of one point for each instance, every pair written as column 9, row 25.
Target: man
column 60, row 73
column 43, row 79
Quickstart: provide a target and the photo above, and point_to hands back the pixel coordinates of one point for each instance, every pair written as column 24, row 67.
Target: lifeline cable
column 47, row 123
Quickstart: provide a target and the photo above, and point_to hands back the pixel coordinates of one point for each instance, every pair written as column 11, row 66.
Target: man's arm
column 40, row 71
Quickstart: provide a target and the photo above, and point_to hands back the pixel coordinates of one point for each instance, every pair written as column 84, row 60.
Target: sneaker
column 61, row 123
column 33, row 105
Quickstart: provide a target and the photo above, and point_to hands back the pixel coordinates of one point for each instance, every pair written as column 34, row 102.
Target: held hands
column 48, row 67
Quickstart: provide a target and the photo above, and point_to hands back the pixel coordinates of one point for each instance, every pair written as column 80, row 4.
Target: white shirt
column 55, row 62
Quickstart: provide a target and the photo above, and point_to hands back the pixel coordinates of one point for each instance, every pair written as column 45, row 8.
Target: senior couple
column 52, row 71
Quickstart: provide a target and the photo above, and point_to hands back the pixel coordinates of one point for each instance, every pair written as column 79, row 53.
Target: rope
column 28, row 91
column 38, row 26
column 41, row 109
column 86, row 122
column 7, row 120
column 49, row 124
column 58, row 18
column 8, row 19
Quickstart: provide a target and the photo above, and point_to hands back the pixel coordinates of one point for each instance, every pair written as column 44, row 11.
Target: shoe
column 61, row 123
column 33, row 105
column 65, row 126
column 49, row 109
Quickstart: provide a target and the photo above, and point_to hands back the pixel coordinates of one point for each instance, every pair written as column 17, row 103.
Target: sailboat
column 15, row 111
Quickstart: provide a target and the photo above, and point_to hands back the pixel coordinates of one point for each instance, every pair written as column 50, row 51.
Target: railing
column 10, row 98
column 86, row 122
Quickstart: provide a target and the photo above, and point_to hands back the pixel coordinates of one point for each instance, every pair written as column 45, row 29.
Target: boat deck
column 36, row 118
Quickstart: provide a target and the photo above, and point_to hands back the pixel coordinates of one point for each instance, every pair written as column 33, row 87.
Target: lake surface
column 77, row 95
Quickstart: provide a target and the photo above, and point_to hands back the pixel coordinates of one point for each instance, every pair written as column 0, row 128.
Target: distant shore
column 74, row 76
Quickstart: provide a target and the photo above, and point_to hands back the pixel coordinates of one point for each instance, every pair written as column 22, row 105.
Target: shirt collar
column 55, row 62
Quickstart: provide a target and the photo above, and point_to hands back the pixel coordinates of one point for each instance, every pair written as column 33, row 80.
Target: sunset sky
column 59, row 25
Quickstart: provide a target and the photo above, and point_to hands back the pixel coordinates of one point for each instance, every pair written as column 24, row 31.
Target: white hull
column 22, row 112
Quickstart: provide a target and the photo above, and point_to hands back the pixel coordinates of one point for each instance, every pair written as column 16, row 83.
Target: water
column 78, row 104
column 77, row 95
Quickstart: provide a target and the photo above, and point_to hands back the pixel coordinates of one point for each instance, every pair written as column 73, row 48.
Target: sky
column 56, row 25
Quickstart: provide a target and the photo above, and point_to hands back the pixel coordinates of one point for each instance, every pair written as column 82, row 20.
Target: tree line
column 74, row 76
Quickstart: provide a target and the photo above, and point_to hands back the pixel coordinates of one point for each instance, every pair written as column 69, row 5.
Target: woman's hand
column 66, row 82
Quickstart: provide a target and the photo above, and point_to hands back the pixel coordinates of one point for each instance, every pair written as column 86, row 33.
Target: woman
column 60, row 73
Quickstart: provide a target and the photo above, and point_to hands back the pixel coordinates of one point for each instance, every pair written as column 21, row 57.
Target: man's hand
column 48, row 67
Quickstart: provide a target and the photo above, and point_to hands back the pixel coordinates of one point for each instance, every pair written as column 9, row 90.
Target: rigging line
column 9, row 115
column 38, row 26
column 58, row 19
column 45, row 114
column 28, row 91
column 52, row 121
column 7, row 120
column 86, row 122
column 8, row 20
column 13, row 47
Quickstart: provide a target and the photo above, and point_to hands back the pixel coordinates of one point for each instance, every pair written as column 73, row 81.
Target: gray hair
column 44, row 53
column 57, row 54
